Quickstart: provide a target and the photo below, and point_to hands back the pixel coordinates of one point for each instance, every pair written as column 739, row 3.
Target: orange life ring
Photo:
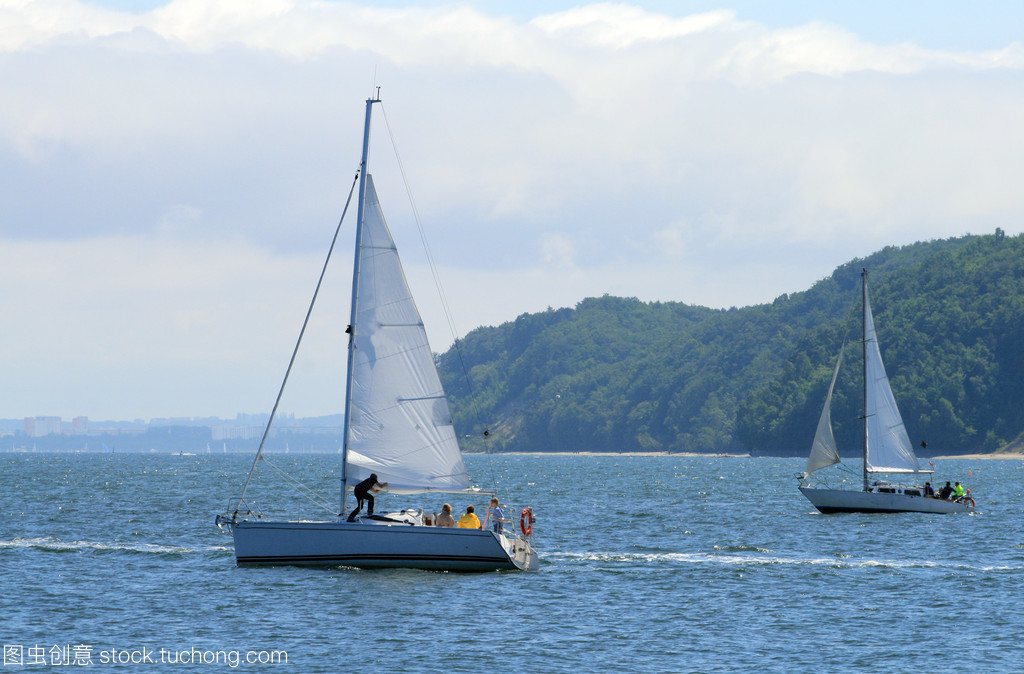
column 968, row 501
column 526, row 521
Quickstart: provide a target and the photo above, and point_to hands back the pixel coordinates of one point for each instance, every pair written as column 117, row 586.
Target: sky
column 171, row 173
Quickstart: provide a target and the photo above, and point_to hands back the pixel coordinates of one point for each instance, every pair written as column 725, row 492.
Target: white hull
column 380, row 545
column 848, row 501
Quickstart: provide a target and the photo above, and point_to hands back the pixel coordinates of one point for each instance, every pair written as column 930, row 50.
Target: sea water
column 648, row 563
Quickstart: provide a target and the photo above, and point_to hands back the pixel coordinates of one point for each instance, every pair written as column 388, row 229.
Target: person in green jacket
column 958, row 491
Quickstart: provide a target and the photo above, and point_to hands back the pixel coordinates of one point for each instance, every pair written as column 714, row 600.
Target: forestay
column 400, row 426
column 889, row 448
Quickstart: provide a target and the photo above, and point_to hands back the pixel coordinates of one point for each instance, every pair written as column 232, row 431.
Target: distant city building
column 306, row 434
column 170, row 421
column 37, row 427
column 236, row 432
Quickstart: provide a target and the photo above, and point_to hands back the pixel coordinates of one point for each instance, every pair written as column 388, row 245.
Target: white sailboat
column 397, row 426
column 887, row 448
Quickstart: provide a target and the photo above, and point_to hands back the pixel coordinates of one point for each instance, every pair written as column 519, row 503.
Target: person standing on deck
column 497, row 515
column 362, row 492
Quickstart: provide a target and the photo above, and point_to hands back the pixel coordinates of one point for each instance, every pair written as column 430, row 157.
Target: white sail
column 824, row 452
column 886, row 446
column 397, row 425
column 400, row 426
column 889, row 449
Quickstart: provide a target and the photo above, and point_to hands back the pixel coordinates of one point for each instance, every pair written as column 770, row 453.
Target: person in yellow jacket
column 958, row 491
column 468, row 520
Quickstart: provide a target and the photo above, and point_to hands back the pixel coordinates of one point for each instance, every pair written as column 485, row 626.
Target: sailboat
column 397, row 426
column 887, row 448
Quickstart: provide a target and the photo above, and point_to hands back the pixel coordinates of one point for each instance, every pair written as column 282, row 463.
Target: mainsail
column 824, row 452
column 889, row 449
column 400, row 426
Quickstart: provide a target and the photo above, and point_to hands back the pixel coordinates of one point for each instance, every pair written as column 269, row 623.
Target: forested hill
column 617, row 374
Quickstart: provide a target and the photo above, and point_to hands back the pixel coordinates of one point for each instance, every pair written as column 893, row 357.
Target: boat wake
column 739, row 556
column 51, row 544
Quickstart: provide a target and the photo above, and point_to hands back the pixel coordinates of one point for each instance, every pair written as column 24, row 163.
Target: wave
column 742, row 548
column 51, row 544
column 731, row 558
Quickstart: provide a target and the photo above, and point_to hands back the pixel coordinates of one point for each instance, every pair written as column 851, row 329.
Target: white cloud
column 602, row 149
column 670, row 242
column 622, row 26
column 109, row 324
column 558, row 251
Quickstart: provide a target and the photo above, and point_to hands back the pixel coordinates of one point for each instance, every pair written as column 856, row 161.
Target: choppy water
column 648, row 563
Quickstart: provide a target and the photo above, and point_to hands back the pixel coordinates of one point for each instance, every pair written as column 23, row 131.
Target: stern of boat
column 520, row 552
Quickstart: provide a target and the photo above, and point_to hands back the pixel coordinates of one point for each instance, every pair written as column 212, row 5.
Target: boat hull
column 848, row 501
column 377, row 546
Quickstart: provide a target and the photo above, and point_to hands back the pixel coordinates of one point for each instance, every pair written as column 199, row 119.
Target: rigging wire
column 445, row 306
column 419, row 226
column 302, row 331
column 301, row 488
column 847, row 325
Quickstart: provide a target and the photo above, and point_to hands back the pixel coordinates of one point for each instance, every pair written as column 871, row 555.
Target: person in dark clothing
column 928, row 491
column 363, row 493
column 945, row 491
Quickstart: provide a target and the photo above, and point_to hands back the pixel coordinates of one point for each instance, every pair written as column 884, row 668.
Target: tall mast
column 355, row 299
column 864, row 352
